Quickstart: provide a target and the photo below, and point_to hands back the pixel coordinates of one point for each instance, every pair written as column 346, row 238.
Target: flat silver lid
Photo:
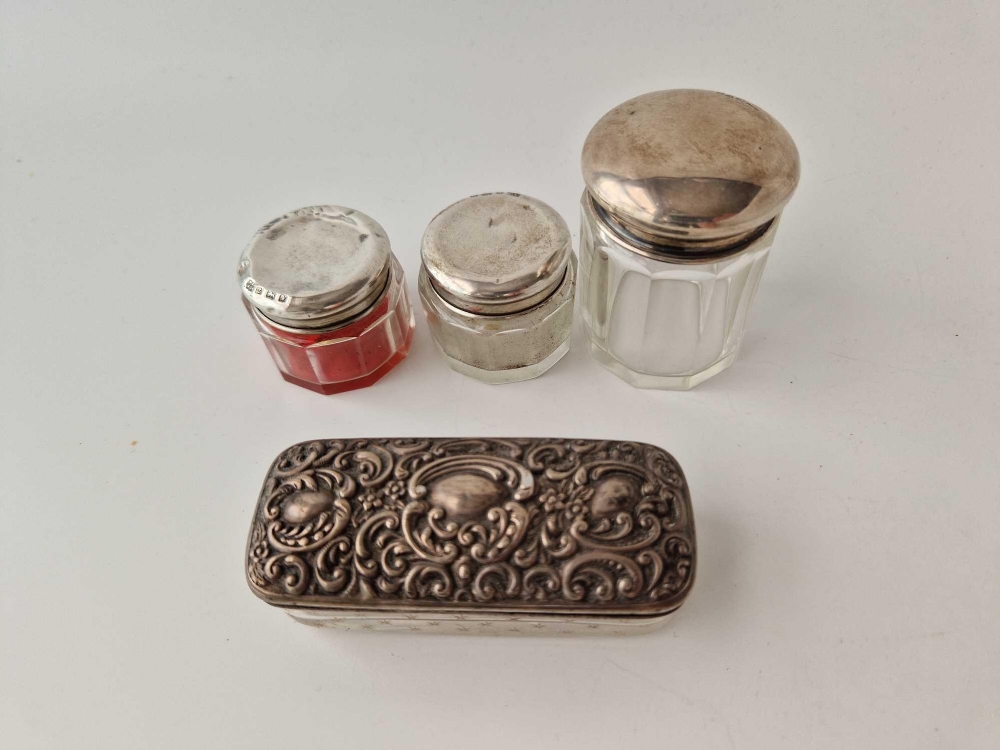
column 316, row 267
column 496, row 253
column 690, row 168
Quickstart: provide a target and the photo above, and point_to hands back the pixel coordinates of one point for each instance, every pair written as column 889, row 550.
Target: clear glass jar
column 661, row 323
column 328, row 298
column 684, row 192
column 497, row 281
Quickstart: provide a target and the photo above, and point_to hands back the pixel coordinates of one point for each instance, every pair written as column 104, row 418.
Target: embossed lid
column 465, row 525
column 316, row 267
column 690, row 169
column 496, row 253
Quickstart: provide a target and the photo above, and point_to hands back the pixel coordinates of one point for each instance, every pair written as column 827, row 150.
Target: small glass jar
column 684, row 192
column 327, row 297
column 496, row 280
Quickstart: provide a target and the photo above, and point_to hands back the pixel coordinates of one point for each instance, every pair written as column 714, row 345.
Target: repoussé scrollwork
column 512, row 523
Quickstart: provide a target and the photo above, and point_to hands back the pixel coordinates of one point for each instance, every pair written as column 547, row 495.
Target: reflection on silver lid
column 496, row 253
column 690, row 168
column 315, row 267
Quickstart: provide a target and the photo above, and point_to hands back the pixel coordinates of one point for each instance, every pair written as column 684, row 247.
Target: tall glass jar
column 684, row 192
column 327, row 297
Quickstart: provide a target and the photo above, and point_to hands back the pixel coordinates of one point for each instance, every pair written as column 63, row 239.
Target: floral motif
column 395, row 491
column 545, row 523
column 577, row 506
column 370, row 501
column 552, row 500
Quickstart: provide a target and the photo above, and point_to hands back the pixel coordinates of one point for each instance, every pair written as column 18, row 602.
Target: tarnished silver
column 316, row 267
column 496, row 253
column 693, row 171
column 474, row 535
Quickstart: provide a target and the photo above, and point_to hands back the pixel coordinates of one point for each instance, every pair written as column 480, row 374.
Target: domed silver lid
column 316, row 267
column 692, row 169
column 496, row 253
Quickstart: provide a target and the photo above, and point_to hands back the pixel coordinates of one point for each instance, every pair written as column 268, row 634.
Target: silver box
column 474, row 535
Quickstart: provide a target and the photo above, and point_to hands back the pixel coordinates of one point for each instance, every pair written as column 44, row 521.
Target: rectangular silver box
column 474, row 535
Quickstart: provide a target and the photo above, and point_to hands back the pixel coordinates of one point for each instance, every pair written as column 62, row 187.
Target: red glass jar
column 328, row 298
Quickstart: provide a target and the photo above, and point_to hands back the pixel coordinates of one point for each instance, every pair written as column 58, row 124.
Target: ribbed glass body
column 352, row 355
column 502, row 348
column 659, row 322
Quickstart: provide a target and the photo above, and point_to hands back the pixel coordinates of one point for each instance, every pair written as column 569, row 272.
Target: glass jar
column 684, row 192
column 328, row 298
column 496, row 280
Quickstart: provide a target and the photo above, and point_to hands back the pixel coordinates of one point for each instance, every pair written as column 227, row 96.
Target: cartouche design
column 518, row 525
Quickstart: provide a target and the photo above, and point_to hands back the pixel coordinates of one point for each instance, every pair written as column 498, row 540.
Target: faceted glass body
column 660, row 322
column 502, row 348
column 353, row 355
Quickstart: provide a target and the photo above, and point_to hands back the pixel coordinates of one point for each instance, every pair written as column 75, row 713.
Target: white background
column 844, row 473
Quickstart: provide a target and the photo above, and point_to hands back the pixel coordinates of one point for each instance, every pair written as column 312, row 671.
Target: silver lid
column 316, row 267
column 689, row 168
column 465, row 525
column 496, row 253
